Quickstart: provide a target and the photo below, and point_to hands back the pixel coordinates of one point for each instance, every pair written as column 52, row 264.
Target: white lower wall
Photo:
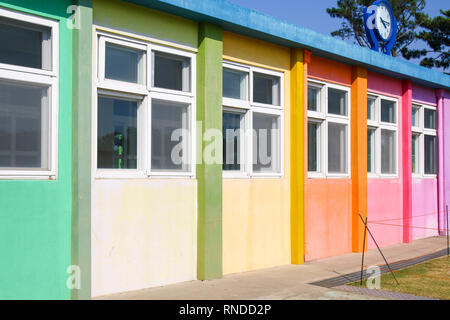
column 144, row 234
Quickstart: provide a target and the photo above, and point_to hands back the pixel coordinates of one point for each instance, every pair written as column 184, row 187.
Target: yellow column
column 297, row 156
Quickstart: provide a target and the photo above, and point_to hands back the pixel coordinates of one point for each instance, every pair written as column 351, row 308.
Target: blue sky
column 312, row 13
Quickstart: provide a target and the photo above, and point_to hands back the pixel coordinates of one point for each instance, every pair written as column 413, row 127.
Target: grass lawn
column 428, row 279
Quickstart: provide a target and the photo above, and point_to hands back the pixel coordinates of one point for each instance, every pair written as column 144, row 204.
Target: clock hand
column 385, row 23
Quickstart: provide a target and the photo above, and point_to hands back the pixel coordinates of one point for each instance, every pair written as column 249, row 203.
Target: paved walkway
column 286, row 282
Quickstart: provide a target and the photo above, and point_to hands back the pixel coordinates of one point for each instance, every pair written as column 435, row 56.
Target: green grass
column 428, row 279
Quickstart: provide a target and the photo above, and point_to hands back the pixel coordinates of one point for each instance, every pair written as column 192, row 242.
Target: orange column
column 359, row 154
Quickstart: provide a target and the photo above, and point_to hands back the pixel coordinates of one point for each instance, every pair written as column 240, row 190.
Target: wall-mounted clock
column 381, row 26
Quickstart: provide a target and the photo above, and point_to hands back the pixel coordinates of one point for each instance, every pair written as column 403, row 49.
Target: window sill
column 29, row 177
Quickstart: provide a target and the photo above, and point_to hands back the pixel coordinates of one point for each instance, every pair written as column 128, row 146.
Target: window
column 145, row 107
column 382, row 136
column 424, row 141
column 252, row 121
column 328, row 130
column 28, row 96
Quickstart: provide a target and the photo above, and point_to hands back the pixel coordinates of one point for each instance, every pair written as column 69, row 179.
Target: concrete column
column 209, row 176
column 406, row 158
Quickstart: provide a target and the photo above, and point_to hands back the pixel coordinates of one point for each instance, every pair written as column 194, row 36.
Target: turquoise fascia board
column 235, row 18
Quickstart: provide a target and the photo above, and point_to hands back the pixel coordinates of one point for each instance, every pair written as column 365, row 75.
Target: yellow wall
column 256, row 212
column 144, row 234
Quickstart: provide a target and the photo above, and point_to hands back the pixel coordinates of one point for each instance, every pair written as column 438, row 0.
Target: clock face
column 384, row 21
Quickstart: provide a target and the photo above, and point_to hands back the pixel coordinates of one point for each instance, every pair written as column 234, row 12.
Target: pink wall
column 445, row 160
column 385, row 196
column 424, row 208
column 424, row 222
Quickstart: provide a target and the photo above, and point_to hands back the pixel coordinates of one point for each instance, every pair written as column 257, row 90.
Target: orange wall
column 328, row 216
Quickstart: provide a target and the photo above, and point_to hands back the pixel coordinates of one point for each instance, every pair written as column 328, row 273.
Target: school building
column 91, row 91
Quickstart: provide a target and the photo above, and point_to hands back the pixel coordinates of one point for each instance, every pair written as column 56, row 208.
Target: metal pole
column 378, row 247
column 364, row 249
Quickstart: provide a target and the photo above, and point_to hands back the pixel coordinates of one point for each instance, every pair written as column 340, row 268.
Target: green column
column 209, row 115
column 81, row 146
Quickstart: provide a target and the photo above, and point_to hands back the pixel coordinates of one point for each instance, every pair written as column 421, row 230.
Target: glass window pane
column 415, row 153
column 388, row 111
column 388, row 152
column 23, row 126
column 370, row 150
column 313, row 98
column 171, row 72
column 337, row 148
column 430, row 118
column 231, row 126
column 124, row 64
column 266, row 143
column 117, row 133
column 313, row 146
column 371, row 108
column 430, row 145
column 266, row 89
column 415, row 116
column 337, row 102
column 170, row 137
column 25, row 44
column 235, row 84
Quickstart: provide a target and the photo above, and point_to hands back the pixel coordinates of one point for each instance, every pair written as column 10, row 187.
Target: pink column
column 406, row 159
column 441, row 167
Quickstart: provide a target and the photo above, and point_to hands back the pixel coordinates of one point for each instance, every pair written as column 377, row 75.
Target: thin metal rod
column 364, row 249
column 373, row 238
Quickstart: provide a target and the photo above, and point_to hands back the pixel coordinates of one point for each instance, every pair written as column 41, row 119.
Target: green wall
column 139, row 20
column 35, row 216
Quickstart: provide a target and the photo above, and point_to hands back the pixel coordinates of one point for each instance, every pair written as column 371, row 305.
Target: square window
column 430, row 144
column 171, row 72
column 371, row 102
column 266, row 89
column 337, row 148
column 371, row 150
column 415, row 153
column 170, row 136
column 124, row 64
column 25, row 44
column 337, row 102
column 232, row 140
column 313, row 99
column 430, row 118
column 388, row 152
column 388, row 112
column 266, row 143
column 117, row 133
column 235, row 84
column 313, row 146
column 415, row 116
column 24, row 127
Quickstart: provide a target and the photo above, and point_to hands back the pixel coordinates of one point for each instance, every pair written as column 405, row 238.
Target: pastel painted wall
column 144, row 232
column 385, row 196
column 446, row 148
column 328, row 202
column 256, row 212
column 35, row 216
column 424, row 222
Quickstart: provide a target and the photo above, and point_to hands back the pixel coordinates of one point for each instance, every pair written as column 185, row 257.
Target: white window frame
column 323, row 118
column 43, row 78
column 421, row 131
column 145, row 93
column 248, row 108
column 378, row 125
